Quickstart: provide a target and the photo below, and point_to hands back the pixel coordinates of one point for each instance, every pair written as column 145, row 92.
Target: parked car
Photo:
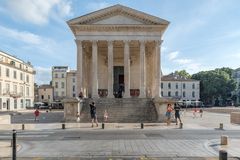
column 43, row 107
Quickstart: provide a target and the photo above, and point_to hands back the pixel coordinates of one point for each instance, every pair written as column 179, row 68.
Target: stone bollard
column 224, row 140
column 142, row 126
column 103, row 125
column 63, row 126
column 23, row 127
column 181, row 125
column 221, row 126
column 223, row 155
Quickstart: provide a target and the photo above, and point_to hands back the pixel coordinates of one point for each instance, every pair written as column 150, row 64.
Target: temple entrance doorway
column 118, row 81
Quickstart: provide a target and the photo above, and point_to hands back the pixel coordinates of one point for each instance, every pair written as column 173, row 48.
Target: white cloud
column 43, row 75
column 37, row 11
column 93, row 6
column 182, row 61
column 173, row 55
column 24, row 36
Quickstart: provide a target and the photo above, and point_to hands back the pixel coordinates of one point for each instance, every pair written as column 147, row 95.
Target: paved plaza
column 199, row 139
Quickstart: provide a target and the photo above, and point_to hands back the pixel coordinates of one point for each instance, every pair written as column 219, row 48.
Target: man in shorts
column 177, row 113
column 93, row 113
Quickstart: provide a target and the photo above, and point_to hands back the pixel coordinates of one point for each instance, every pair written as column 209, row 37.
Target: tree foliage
column 215, row 83
column 183, row 73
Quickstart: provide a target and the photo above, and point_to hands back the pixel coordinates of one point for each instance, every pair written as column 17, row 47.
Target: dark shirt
column 177, row 109
column 92, row 109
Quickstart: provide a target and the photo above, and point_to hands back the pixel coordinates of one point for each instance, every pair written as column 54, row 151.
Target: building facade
column 180, row 88
column 45, row 94
column 71, row 84
column 118, row 51
column 59, row 74
column 16, row 83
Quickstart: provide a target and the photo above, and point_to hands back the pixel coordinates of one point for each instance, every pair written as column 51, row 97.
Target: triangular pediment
column 118, row 14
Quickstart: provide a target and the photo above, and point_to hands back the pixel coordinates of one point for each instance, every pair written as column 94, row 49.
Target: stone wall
column 235, row 117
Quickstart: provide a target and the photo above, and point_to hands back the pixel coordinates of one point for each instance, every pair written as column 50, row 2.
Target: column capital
column 158, row 42
column 77, row 41
column 126, row 41
column 110, row 42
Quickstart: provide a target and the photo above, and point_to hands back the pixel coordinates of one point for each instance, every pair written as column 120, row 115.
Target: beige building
column 59, row 74
column 118, row 50
column 180, row 88
column 71, row 84
column 16, row 83
column 45, row 94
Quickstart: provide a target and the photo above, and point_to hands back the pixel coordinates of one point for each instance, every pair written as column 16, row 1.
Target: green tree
column 214, row 84
column 183, row 73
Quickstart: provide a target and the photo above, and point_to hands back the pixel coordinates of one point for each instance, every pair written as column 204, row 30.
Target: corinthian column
column 142, row 70
column 110, row 69
column 126, row 70
column 94, row 70
column 157, row 69
column 79, row 66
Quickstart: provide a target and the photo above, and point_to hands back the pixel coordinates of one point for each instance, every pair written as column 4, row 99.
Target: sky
column 202, row 35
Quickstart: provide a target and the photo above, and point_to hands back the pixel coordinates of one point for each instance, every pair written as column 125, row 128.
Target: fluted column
column 110, row 69
column 126, row 70
column 94, row 70
column 142, row 70
column 79, row 66
column 157, row 69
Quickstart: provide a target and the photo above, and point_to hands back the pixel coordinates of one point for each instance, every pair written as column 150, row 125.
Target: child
column 105, row 115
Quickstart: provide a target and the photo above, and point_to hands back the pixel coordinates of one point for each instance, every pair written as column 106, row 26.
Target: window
column 15, row 74
column 161, row 85
column 56, row 94
column 15, row 103
column 56, row 84
column 62, row 93
column 7, row 87
column 56, row 75
column 184, row 95
column 73, row 80
column 49, row 96
column 28, row 78
column 176, row 85
column 27, row 91
column 21, row 103
column 62, row 84
column 73, row 88
column 15, row 89
column 0, row 88
column 169, row 94
column 63, row 75
column 74, row 95
column 42, row 96
column 184, row 85
column 21, row 76
column 193, row 86
column 162, row 93
column 169, row 85
column 176, row 93
column 7, row 72
column 193, row 94
column 21, row 89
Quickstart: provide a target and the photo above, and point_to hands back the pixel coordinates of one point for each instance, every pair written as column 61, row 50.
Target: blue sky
column 202, row 35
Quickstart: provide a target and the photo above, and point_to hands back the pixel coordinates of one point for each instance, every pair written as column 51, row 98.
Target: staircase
column 121, row 110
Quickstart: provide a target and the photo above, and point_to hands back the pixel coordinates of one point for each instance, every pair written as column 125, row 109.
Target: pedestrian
column 168, row 113
column 194, row 112
column 36, row 113
column 78, row 117
column 105, row 116
column 93, row 113
column 201, row 112
column 177, row 113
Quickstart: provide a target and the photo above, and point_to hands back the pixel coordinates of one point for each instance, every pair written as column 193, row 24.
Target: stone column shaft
column 94, row 70
column 110, row 69
column 157, row 69
column 126, row 70
column 142, row 70
column 79, row 66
